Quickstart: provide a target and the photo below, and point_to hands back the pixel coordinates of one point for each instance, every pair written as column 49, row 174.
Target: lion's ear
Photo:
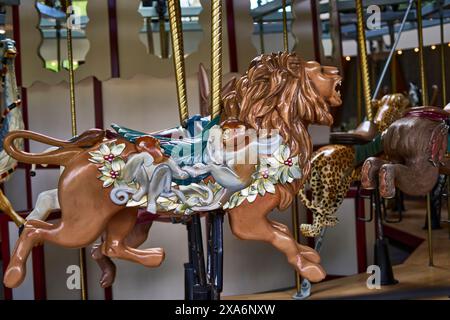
column 230, row 106
column 228, row 87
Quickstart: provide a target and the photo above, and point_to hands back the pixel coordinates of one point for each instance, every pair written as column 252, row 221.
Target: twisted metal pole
column 216, row 58
column 285, row 28
column 73, row 111
column 73, row 117
column 178, row 58
column 363, row 56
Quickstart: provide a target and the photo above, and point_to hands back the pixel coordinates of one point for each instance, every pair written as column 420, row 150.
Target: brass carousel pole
column 285, row 27
column 216, row 58
column 73, row 115
column 178, row 58
column 261, row 31
column 363, row 56
column 425, row 103
column 294, row 206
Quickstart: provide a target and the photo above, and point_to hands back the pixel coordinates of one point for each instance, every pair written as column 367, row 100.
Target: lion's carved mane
column 276, row 93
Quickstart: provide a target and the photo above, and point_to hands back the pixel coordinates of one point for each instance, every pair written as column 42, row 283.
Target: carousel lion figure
column 110, row 176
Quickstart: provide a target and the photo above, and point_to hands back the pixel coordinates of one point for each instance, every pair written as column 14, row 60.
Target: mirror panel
column 155, row 32
column 53, row 27
column 267, row 18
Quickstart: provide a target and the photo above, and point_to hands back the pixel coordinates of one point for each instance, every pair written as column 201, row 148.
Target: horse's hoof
column 311, row 271
column 387, row 188
column 366, row 181
column 14, row 277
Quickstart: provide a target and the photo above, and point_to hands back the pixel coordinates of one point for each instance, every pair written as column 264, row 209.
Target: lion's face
column 326, row 81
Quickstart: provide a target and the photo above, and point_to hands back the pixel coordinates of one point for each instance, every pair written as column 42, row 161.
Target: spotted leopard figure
column 331, row 175
column 335, row 167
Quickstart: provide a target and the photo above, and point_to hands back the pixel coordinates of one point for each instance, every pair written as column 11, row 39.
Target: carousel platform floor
column 416, row 279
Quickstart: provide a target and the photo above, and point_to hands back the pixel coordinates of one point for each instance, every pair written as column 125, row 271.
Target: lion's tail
column 66, row 151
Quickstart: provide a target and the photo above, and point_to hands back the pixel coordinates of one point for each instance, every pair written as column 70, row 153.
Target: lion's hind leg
column 116, row 246
column 249, row 222
column 135, row 238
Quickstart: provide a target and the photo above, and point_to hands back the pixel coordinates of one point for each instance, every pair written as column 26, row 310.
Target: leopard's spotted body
column 331, row 174
column 334, row 167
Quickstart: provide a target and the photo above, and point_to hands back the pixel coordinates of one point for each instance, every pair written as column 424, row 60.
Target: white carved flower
column 287, row 167
column 108, row 155
column 279, row 168
column 266, row 178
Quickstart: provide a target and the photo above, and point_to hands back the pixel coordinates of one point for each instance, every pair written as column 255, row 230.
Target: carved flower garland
column 194, row 197
column 110, row 161
column 280, row 168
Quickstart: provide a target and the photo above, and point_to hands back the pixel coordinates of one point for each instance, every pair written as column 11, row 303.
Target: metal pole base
column 188, row 281
column 384, row 262
column 305, row 291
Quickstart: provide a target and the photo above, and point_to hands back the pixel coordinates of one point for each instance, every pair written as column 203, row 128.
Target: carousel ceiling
column 392, row 11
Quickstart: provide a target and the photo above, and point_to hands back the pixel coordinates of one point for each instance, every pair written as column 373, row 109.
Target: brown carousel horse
column 279, row 91
column 415, row 148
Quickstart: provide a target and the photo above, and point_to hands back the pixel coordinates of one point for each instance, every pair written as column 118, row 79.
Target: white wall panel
column 45, row 179
column 339, row 246
column 49, row 110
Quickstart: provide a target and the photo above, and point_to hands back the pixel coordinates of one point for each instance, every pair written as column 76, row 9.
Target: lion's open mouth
column 336, row 99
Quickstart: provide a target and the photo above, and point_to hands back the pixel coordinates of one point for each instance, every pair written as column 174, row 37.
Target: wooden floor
column 416, row 278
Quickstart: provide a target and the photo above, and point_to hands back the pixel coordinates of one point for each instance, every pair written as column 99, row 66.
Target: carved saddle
column 430, row 113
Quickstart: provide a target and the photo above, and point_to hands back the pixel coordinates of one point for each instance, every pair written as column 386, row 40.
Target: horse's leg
column 305, row 251
column 369, row 172
column 115, row 245
column 249, row 222
column 136, row 237
column 415, row 180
